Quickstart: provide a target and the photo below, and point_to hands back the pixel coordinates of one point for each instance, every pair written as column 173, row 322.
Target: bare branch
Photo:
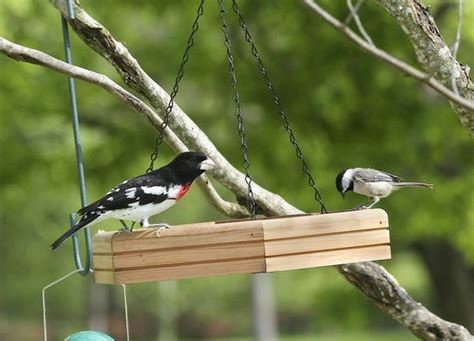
column 356, row 17
column 21, row 53
column 455, row 48
column 464, row 106
column 349, row 18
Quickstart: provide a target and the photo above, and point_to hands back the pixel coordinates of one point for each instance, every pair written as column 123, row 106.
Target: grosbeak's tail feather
column 413, row 184
column 86, row 219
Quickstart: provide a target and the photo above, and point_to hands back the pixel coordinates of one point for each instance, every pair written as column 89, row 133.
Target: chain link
column 169, row 107
column 239, row 113
column 299, row 153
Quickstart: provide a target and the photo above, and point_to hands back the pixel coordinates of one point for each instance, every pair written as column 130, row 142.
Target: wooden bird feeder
column 249, row 246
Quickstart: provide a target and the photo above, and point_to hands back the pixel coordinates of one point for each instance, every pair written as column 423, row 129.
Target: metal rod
column 77, row 145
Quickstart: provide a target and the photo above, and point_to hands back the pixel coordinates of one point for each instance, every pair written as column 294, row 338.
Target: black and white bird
column 139, row 198
column 372, row 183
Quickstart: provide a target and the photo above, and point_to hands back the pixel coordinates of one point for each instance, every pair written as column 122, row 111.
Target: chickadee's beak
column 207, row 165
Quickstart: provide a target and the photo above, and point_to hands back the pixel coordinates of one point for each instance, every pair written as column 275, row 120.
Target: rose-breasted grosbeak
column 141, row 197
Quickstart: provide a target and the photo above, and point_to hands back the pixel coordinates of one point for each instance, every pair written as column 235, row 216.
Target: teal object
column 89, row 335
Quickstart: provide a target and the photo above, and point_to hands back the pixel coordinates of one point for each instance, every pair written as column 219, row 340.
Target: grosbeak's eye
column 193, row 158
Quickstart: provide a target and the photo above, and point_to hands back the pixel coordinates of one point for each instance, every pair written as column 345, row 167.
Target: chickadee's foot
column 125, row 229
column 159, row 227
column 360, row 207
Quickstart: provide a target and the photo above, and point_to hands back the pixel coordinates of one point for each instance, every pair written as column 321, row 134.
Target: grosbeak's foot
column 125, row 229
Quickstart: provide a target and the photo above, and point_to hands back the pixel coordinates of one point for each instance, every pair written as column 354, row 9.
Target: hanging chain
column 169, row 107
column 239, row 113
column 271, row 89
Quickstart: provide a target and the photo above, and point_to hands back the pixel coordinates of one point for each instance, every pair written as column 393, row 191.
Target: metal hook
column 75, row 249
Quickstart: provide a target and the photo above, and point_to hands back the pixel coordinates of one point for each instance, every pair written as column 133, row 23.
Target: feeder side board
column 246, row 246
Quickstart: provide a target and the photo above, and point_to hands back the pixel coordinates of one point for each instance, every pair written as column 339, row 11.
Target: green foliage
column 345, row 108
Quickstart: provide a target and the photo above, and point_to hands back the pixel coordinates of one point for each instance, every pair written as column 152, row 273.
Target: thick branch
column 369, row 277
column 21, row 53
column 464, row 107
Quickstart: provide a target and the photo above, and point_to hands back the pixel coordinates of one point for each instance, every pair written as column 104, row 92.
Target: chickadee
column 372, row 183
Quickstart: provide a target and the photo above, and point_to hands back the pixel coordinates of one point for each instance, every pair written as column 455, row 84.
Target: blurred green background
column 346, row 109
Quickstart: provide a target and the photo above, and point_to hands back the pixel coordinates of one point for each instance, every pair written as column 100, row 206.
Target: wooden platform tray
column 222, row 248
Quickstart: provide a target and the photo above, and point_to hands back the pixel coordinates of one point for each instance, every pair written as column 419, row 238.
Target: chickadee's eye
column 193, row 158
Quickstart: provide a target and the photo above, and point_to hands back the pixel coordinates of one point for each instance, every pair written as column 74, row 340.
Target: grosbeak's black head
column 189, row 165
column 344, row 182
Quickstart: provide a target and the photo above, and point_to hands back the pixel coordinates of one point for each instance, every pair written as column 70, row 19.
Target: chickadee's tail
column 86, row 219
column 413, row 184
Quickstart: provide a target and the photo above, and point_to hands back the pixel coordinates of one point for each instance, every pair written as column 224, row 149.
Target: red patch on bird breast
column 183, row 190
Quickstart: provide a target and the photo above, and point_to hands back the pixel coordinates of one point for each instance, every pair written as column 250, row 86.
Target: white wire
column 43, row 293
column 127, row 329
column 45, row 327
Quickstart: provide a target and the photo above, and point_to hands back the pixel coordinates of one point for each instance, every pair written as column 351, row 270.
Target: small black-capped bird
column 372, row 183
column 139, row 198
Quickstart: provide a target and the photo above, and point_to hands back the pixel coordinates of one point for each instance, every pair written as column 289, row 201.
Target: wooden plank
column 324, row 258
column 326, row 242
column 102, row 242
column 182, row 236
column 310, row 225
column 104, row 277
column 190, row 271
column 103, row 262
column 200, row 254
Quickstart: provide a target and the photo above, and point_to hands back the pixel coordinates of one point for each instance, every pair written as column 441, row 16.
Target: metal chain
column 276, row 100
column 239, row 113
column 169, row 107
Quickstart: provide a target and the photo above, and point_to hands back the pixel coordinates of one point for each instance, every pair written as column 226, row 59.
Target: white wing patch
column 130, row 193
column 156, row 190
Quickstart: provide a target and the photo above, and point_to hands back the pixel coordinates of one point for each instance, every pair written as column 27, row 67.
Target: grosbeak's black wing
column 144, row 189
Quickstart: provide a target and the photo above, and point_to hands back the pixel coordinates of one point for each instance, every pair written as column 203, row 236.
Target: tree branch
column 360, row 27
column 21, row 53
column 454, row 51
column 464, row 107
column 365, row 276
